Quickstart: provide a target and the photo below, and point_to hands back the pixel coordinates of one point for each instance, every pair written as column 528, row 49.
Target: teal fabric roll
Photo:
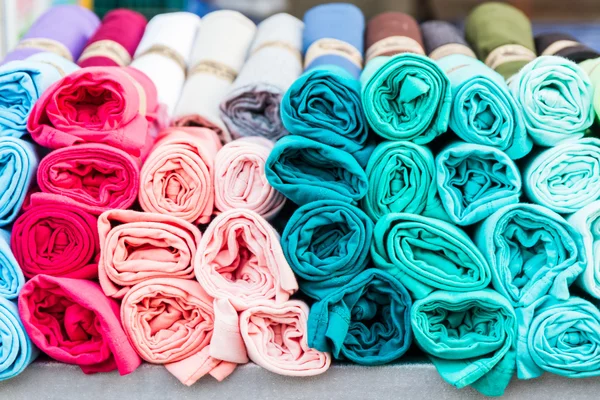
column 483, row 109
column 426, row 254
column 469, row 337
column 474, row 181
column 402, row 179
column 305, row 170
column 16, row 349
column 11, row 276
column 587, row 222
column 532, row 252
column 555, row 95
column 566, row 177
column 327, row 244
column 366, row 321
column 406, row 97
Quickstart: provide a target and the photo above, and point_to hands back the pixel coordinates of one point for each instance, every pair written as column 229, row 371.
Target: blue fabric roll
column 16, row 349
column 11, row 276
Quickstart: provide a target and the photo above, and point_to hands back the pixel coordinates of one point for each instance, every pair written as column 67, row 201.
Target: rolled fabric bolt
column 17, row 351
column 586, row 221
column 180, row 338
column 11, row 275
column 252, row 105
column 555, row 96
column 305, row 170
column 218, row 55
column 366, row 320
column 563, row 45
column 73, row 322
column 115, row 41
column 501, row 36
column 470, row 338
column 287, row 353
column 327, row 244
column 63, row 30
column 177, row 178
column 164, row 53
column 426, row 254
column 136, row 247
column 55, row 236
column 532, row 252
column 240, row 180
column 442, row 39
column 474, row 181
column 592, row 69
column 405, row 95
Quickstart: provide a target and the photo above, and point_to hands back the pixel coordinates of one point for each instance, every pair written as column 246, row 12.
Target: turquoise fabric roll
column 11, row 276
column 532, row 252
column 305, row 170
column 474, row 181
column 469, row 337
column 566, row 177
column 587, row 222
column 555, row 95
column 483, row 109
column 406, row 97
column 402, row 179
column 366, row 321
column 327, row 244
column 16, row 349
column 561, row 337
column 426, row 254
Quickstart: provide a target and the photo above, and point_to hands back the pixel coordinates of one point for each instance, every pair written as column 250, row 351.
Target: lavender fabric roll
column 442, row 39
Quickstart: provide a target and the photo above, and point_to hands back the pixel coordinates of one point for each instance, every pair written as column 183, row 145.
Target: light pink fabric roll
column 136, row 246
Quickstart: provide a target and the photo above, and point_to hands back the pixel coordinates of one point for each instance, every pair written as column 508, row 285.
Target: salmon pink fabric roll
column 170, row 321
column 73, row 322
column 177, row 178
column 240, row 180
column 136, row 246
column 55, row 236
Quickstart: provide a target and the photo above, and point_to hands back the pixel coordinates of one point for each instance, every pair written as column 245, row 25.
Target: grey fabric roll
column 438, row 35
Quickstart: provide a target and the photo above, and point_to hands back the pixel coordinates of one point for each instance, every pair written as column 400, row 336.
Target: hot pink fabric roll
column 275, row 336
column 170, row 321
column 240, row 180
column 136, row 246
column 177, row 178
column 73, row 322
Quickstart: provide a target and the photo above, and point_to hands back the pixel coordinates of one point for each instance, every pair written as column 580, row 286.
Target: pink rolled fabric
column 177, row 178
column 240, row 180
column 170, row 321
column 136, row 246
column 275, row 336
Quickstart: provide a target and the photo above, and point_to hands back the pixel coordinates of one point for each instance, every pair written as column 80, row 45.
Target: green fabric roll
column 469, row 337
column 592, row 68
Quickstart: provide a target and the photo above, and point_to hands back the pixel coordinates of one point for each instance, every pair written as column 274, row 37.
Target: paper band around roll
column 452, row 48
column 558, row 46
column 394, row 44
column 508, row 53
column 451, row 70
column 55, row 66
column 141, row 94
column 166, row 52
column 214, row 68
column 108, row 49
column 281, row 44
column 328, row 46
column 46, row 44
column 596, row 65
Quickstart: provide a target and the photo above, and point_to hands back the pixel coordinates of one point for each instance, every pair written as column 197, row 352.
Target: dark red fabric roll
column 393, row 26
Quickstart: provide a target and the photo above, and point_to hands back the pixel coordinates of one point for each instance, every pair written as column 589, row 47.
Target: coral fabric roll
column 170, row 321
column 136, row 247
column 63, row 30
column 563, row 45
column 177, row 178
column 441, row 39
column 587, row 222
column 55, row 236
column 16, row 349
column 11, row 275
column 115, row 41
column 217, row 57
column 73, row 322
column 240, row 180
column 251, row 108
column 275, row 336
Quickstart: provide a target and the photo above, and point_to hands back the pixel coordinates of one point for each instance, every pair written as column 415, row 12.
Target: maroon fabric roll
column 392, row 33
column 115, row 41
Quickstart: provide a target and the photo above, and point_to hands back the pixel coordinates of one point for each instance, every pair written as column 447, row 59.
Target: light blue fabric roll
column 587, row 222
column 11, row 276
column 16, row 349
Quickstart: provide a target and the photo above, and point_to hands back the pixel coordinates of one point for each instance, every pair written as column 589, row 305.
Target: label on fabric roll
column 280, row 44
column 394, row 44
column 335, row 47
column 166, row 52
column 508, row 53
column 214, row 68
column 108, row 49
column 46, row 44
column 452, row 48
column 558, row 46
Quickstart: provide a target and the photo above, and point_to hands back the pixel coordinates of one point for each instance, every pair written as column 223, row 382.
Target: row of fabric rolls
column 444, row 192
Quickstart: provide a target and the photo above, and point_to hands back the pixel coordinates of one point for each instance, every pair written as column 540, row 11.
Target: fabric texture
column 592, row 69
column 586, row 222
column 392, row 24
column 437, row 34
column 564, row 45
column 17, row 351
column 11, row 275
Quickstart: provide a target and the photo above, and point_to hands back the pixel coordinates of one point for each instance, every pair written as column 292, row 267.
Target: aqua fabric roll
column 305, row 170
column 483, row 109
column 16, row 349
column 474, row 181
column 327, row 244
column 532, row 252
column 11, row 276
column 366, row 321
column 555, row 95
column 426, row 254
column 469, row 337
column 587, row 222
column 406, row 97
